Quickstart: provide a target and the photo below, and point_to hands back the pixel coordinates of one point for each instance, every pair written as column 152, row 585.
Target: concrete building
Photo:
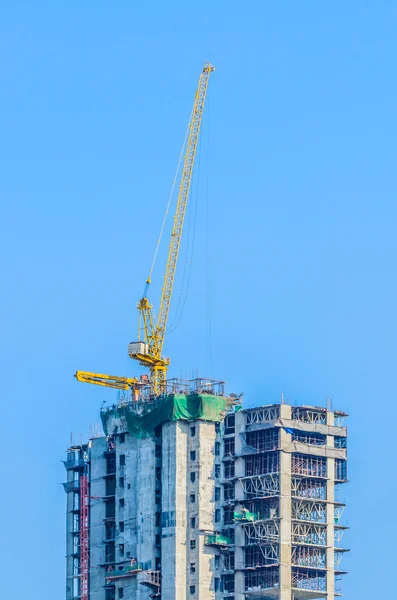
column 191, row 497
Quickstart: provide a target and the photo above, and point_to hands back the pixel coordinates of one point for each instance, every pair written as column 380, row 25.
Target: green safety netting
column 244, row 516
column 217, row 540
column 174, row 407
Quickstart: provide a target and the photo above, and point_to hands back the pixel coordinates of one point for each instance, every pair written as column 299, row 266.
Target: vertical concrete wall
column 145, row 510
column 127, row 514
column 175, row 542
column 206, row 435
column 97, row 492
column 330, row 514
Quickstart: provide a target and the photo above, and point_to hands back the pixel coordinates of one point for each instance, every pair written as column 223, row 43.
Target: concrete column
column 145, row 511
column 239, row 467
column 128, row 515
column 330, row 514
column 97, row 516
column 239, row 427
column 239, row 578
column 285, row 510
column 205, row 485
column 175, row 544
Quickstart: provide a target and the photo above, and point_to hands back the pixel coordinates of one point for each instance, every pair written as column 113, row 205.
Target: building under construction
column 189, row 496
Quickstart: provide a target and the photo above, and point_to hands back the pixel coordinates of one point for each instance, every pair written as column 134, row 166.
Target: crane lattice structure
column 149, row 351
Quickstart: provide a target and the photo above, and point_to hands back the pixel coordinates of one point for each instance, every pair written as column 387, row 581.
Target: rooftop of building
column 301, row 407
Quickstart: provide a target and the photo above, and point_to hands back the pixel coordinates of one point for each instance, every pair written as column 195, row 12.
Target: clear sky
column 296, row 209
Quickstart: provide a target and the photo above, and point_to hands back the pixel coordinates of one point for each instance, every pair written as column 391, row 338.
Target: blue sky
column 296, row 209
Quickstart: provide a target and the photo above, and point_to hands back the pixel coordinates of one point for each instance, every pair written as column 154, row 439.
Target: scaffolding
column 262, row 464
column 228, row 560
column 306, row 556
column 309, row 510
column 309, row 488
column 261, row 556
column 339, row 509
column 268, row 508
column 339, row 552
column 152, row 580
column 262, row 579
column 262, row 414
column 340, row 470
column 262, row 440
column 309, row 466
column 260, row 486
column 309, row 414
column 339, row 533
column 313, row 439
column 309, row 533
column 123, row 572
column 228, row 491
column 261, row 532
column 216, row 539
column 315, row 581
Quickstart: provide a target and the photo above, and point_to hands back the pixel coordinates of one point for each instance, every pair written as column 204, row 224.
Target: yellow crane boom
column 149, row 351
column 150, row 354
column 118, row 383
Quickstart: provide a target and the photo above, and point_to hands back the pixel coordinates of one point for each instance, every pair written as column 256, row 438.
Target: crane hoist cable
column 148, row 281
column 148, row 351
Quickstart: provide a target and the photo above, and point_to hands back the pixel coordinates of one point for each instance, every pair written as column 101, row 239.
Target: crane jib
column 149, row 351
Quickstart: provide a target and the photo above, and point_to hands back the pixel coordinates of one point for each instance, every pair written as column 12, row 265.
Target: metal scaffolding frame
column 228, row 560
column 308, row 488
column 339, row 552
column 306, row 556
column 313, row 439
column 262, row 579
column 262, row 414
column 309, row 533
column 262, row 464
column 261, row 531
column 340, row 469
column 309, row 510
column 266, row 508
column 308, row 465
column 309, row 414
column 261, row 440
column 338, row 511
column 260, row 486
column 264, row 555
column 315, row 581
column 338, row 533
column 229, row 491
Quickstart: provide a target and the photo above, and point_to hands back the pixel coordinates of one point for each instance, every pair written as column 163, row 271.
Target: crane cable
column 169, row 202
column 188, row 260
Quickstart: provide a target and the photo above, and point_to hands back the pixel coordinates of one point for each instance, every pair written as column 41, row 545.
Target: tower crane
column 149, row 351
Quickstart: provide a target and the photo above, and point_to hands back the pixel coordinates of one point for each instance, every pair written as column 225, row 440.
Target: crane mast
column 149, row 351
